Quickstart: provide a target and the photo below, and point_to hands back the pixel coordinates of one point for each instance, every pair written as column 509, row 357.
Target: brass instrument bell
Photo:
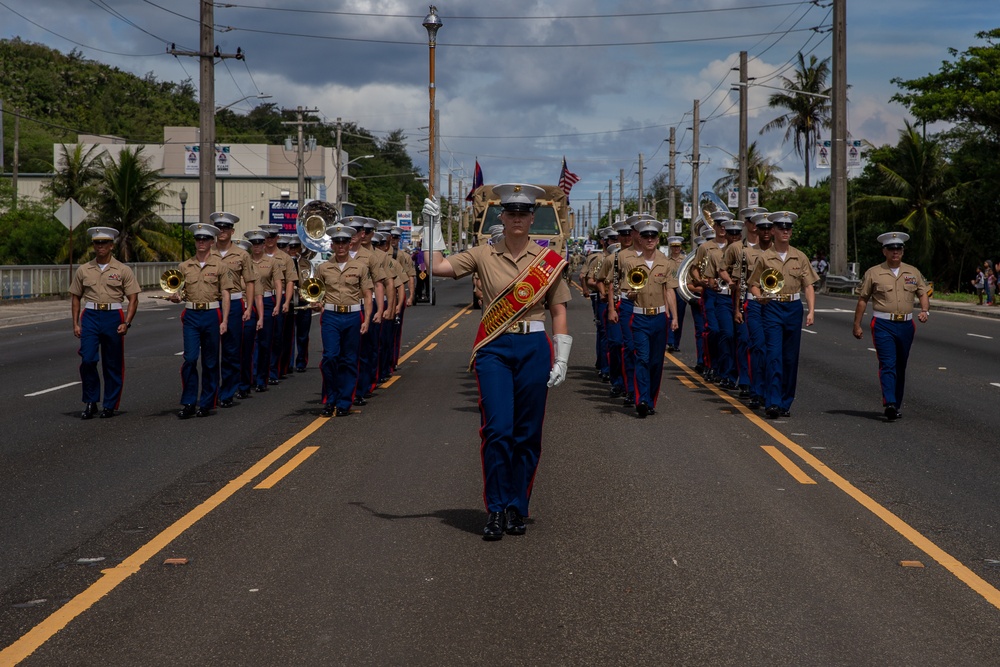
column 771, row 281
column 311, row 290
column 172, row 281
column 636, row 278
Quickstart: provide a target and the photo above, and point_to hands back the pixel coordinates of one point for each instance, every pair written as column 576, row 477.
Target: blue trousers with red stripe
column 758, row 349
column 262, row 359
column 303, row 323
column 700, row 332
column 892, row 346
column 339, row 366
column 100, row 340
column 248, row 332
column 782, row 336
column 742, row 334
column 650, row 334
column 512, row 372
column 674, row 337
column 201, row 338
column 604, row 328
column 724, row 363
column 232, row 351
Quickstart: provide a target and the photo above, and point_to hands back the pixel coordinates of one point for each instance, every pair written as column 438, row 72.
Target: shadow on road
column 466, row 520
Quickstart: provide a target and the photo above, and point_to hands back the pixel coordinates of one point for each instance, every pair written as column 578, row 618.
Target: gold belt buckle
column 651, row 311
column 517, row 328
column 201, row 306
column 343, row 309
column 896, row 317
column 103, row 306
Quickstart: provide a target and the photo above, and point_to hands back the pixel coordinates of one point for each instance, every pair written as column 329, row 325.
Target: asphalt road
column 676, row 540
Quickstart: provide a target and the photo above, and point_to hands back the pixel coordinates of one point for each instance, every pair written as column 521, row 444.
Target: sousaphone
column 312, row 222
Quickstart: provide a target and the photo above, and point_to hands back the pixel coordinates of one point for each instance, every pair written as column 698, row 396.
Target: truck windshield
column 545, row 222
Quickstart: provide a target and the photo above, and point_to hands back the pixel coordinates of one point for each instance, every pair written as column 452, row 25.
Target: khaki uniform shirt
column 714, row 253
column 344, row 287
column 660, row 277
column 406, row 262
column 240, row 267
column 796, row 269
column 591, row 264
column 268, row 273
column 204, row 284
column 399, row 273
column 383, row 258
column 607, row 270
column 376, row 270
column 674, row 265
column 111, row 285
column 497, row 269
column 732, row 259
column 889, row 293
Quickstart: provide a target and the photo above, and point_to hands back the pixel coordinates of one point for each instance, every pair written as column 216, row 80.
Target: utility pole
column 340, row 177
column 599, row 209
column 590, row 217
column 695, row 166
column 610, row 205
column 300, row 149
column 621, row 193
column 642, row 193
column 206, row 102
column 744, row 81
column 671, row 204
column 838, row 157
column 1, row 137
column 17, row 142
column 451, row 213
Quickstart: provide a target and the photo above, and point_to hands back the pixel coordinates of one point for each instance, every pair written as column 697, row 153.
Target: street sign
column 687, row 210
column 734, row 197
column 71, row 214
column 753, row 197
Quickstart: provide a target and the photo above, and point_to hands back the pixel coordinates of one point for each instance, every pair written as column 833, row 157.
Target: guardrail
column 31, row 281
column 841, row 284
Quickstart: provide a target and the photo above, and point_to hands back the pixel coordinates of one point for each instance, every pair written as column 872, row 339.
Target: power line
column 73, row 41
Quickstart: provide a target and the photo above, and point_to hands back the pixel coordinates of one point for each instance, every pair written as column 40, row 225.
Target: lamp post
column 433, row 23
column 183, row 196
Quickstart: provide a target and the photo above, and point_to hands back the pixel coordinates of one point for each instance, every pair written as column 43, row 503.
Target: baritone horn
column 637, row 278
column 311, row 290
column 771, row 281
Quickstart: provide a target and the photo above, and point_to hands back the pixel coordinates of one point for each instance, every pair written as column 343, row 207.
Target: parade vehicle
column 551, row 228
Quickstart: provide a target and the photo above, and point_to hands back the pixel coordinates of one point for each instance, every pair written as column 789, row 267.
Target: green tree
column 29, row 234
column 964, row 91
column 129, row 197
column 807, row 113
column 77, row 175
column 918, row 186
column 761, row 174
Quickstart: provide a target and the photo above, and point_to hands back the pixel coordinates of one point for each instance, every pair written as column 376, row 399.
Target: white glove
column 563, row 344
column 431, row 215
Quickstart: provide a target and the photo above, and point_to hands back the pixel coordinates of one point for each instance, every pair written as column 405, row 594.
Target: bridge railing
column 31, row 281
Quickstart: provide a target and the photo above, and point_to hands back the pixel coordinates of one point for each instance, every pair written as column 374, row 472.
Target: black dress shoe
column 727, row 384
column 187, row 411
column 651, row 411
column 272, row 382
column 891, row 413
column 617, row 392
column 228, row 403
column 642, row 409
column 699, row 368
column 343, row 412
column 496, row 523
column 754, row 403
column 786, row 413
column 301, row 369
column 327, row 410
column 259, row 388
column 241, row 394
column 671, row 348
column 369, row 394
column 515, row 522
column 744, row 391
column 360, row 401
column 772, row 413
column 89, row 411
column 107, row 413
column 203, row 412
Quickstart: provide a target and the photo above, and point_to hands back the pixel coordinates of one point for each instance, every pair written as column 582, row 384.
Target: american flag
column 567, row 179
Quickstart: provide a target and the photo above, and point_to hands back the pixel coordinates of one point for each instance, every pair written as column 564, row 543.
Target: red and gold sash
column 515, row 300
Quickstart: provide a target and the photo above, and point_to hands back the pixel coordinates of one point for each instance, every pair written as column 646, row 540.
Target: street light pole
column 433, row 23
column 184, row 199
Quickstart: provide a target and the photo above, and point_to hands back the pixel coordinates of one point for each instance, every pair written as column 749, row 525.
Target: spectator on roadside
column 820, row 266
column 991, row 283
column 979, row 284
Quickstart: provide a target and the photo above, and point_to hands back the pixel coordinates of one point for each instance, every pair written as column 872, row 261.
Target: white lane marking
column 179, row 353
column 809, row 331
column 872, row 349
column 995, row 384
column 45, row 391
column 833, row 310
column 980, row 336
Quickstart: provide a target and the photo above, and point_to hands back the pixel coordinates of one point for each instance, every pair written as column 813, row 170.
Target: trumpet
column 771, row 281
column 312, row 290
column 171, row 282
column 637, row 278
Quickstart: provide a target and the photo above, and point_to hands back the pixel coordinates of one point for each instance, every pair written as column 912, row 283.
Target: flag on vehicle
column 567, row 179
column 477, row 182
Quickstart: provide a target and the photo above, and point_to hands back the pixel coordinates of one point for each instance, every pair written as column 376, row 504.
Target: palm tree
column 919, row 186
column 761, row 174
column 77, row 175
column 807, row 113
column 129, row 196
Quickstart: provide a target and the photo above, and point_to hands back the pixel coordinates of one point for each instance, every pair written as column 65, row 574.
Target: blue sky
column 520, row 84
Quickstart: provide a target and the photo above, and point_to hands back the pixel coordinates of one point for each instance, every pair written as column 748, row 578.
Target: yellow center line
column 431, row 346
column 111, row 578
column 946, row 560
column 391, row 381
column 291, row 465
column 421, row 344
column 796, row 472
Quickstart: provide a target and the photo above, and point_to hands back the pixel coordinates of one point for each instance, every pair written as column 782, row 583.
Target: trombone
column 771, row 281
column 311, row 290
column 171, row 282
